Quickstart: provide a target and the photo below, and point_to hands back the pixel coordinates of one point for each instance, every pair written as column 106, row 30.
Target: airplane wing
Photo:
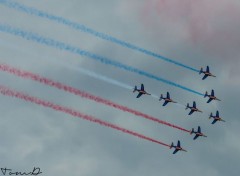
column 199, row 129
column 195, row 137
column 142, row 87
column 178, row 144
column 212, row 93
column 217, row 114
column 168, row 95
column 214, row 121
column 175, row 151
column 139, row 95
column 209, row 100
column 204, row 77
column 194, row 104
column 208, row 70
column 190, row 112
column 165, row 103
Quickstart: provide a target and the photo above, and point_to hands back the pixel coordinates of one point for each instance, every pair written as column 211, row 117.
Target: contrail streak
column 35, row 100
column 106, row 79
column 83, row 28
column 155, row 96
column 103, row 78
column 62, row 46
column 58, row 85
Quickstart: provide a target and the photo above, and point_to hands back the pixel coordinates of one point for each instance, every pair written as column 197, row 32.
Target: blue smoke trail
column 81, row 27
column 62, row 46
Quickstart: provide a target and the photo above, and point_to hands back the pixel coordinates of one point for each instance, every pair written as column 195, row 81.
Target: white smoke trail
column 102, row 78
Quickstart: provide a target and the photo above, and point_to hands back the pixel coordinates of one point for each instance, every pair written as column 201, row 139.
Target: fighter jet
column 211, row 97
column 198, row 133
column 177, row 147
column 206, row 73
column 193, row 108
column 216, row 118
column 167, row 99
column 141, row 91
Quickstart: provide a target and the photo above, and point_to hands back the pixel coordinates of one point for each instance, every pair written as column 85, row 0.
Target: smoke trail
column 62, row 46
column 180, row 105
column 58, row 85
column 81, row 27
column 155, row 96
column 8, row 92
column 103, row 78
column 106, row 79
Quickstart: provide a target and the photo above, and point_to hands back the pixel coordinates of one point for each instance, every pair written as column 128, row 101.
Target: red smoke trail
column 83, row 94
column 8, row 92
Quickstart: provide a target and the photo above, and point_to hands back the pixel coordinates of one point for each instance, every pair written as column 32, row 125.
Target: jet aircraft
column 193, row 108
column 206, row 73
column 211, row 97
column 167, row 99
column 141, row 91
column 216, row 118
column 177, row 147
column 197, row 133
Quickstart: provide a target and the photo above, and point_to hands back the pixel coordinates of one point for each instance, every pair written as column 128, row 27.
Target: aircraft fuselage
column 200, row 134
column 167, row 99
column 195, row 109
column 142, row 91
column 218, row 118
column 213, row 97
column 181, row 149
column 208, row 73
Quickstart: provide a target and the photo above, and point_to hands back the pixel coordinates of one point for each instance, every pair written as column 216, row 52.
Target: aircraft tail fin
column 206, row 94
column 161, row 97
column 135, row 89
column 192, row 131
column 210, row 116
column 201, row 70
column 171, row 146
column 187, row 106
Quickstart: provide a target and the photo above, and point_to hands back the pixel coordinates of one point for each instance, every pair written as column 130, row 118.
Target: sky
column 193, row 33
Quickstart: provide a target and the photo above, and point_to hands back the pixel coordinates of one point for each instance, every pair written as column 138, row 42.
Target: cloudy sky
column 195, row 33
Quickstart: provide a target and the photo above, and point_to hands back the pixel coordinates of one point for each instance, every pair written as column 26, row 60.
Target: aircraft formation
column 30, row 36
column 192, row 108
